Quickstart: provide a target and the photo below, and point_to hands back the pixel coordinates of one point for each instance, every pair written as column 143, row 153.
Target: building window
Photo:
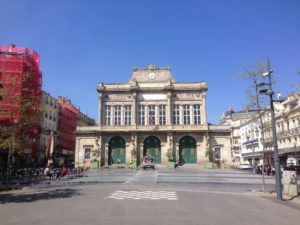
column 127, row 115
column 141, row 120
column 186, row 115
column 176, row 116
column 50, row 115
column 151, row 115
column 197, row 118
column 87, row 153
column 107, row 115
column 162, row 115
column 117, row 115
column 217, row 154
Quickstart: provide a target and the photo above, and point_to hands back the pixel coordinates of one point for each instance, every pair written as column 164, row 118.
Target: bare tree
column 256, row 101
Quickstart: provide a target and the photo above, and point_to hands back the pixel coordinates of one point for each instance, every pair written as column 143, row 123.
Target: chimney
column 278, row 95
column 10, row 47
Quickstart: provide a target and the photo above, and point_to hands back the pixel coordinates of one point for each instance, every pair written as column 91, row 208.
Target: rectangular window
column 176, row 116
column 197, row 118
column 107, row 115
column 141, row 120
column 127, row 115
column 186, row 115
column 217, row 154
column 151, row 114
column 162, row 115
column 87, row 153
column 117, row 110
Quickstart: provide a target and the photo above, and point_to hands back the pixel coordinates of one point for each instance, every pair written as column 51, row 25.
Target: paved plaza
column 163, row 196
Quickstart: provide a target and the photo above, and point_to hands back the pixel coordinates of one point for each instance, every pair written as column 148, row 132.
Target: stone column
column 100, row 109
column 203, row 109
column 106, row 155
column 122, row 114
column 177, row 152
column 156, row 115
column 112, row 115
column 99, row 146
column 181, row 114
column 141, row 155
column 134, row 109
column 77, row 154
column 169, row 109
column 192, row 114
column 170, row 144
column 146, row 109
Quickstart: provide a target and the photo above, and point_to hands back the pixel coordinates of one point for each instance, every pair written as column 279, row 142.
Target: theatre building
column 153, row 115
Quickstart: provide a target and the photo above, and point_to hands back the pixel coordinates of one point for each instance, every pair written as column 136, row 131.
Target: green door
column 152, row 148
column 155, row 153
column 117, row 151
column 187, row 150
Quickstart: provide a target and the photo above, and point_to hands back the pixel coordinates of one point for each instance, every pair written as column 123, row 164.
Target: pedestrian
column 269, row 170
column 47, row 173
column 64, row 170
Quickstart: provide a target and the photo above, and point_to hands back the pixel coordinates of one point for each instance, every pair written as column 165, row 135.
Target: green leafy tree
column 20, row 110
column 209, row 154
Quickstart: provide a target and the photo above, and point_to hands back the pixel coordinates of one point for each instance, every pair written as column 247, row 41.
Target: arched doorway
column 187, row 150
column 152, row 148
column 116, row 150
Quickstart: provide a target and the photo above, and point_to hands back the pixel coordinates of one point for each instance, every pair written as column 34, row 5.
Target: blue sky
column 82, row 43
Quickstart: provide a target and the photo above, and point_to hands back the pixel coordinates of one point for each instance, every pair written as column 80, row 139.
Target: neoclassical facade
column 153, row 115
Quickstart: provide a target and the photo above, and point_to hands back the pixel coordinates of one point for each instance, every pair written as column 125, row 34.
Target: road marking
column 144, row 195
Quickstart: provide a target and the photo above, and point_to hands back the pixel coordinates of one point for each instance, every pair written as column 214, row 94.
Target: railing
column 294, row 131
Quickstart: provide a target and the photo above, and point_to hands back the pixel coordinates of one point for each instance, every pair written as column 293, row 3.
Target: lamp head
column 266, row 74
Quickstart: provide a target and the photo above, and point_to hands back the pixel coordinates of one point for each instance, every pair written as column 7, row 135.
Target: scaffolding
column 20, row 83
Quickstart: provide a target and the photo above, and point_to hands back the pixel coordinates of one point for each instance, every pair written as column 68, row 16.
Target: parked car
column 245, row 166
column 148, row 162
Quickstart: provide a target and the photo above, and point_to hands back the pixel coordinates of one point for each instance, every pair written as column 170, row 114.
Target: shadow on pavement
column 33, row 197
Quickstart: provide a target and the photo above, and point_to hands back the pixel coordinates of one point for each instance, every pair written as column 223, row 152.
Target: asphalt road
column 149, row 197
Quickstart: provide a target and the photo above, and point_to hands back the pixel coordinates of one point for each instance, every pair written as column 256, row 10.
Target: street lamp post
column 270, row 92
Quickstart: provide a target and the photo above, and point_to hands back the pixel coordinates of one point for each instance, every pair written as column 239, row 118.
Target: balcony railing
column 291, row 132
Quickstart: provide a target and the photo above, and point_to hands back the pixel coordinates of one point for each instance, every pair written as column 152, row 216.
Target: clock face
column 151, row 75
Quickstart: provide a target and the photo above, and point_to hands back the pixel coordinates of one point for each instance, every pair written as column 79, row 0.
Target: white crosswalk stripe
column 147, row 195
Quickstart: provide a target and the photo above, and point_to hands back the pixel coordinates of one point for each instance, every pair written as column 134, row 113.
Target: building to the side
column 288, row 130
column 84, row 120
column 48, row 135
column 58, row 125
column 235, row 120
column 257, row 141
column 67, row 123
column 153, row 115
column 20, row 93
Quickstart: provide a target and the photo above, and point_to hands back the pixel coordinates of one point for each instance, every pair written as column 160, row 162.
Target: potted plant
column 95, row 164
column 134, row 155
column 210, row 155
column 170, row 156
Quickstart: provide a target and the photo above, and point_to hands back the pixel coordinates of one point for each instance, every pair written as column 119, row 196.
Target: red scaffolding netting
column 20, row 83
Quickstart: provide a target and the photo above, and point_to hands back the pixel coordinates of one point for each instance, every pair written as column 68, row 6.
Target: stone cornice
column 155, row 128
column 161, row 87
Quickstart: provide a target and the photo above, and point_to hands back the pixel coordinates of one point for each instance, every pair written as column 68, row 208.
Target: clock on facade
column 151, row 75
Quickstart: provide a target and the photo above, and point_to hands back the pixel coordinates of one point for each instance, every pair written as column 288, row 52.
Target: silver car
column 148, row 162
